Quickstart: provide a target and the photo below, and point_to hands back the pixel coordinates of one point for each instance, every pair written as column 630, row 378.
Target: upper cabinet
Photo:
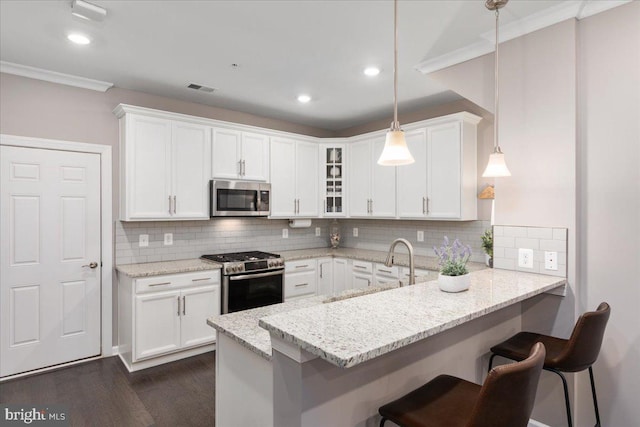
column 333, row 180
column 442, row 183
column 240, row 155
column 164, row 168
column 372, row 188
column 294, row 179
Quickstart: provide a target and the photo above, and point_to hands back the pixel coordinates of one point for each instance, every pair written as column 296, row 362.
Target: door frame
column 106, row 224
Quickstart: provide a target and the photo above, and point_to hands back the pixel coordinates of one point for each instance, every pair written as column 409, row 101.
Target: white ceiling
column 282, row 48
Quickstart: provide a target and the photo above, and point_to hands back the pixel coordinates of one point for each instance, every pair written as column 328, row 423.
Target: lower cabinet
column 325, row 276
column 384, row 274
column 361, row 274
column 341, row 275
column 300, row 279
column 164, row 318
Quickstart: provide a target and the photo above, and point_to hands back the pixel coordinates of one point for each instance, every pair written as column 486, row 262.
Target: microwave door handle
column 258, row 202
column 256, row 276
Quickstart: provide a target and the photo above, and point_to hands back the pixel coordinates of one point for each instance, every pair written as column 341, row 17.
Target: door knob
column 91, row 265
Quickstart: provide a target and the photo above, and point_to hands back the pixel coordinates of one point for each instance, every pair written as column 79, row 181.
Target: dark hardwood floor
column 103, row 393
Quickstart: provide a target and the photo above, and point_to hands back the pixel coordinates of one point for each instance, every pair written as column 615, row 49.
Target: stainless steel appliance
column 239, row 198
column 250, row 279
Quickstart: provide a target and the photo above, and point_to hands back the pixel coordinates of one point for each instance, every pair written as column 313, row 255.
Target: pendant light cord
column 395, row 126
column 496, row 148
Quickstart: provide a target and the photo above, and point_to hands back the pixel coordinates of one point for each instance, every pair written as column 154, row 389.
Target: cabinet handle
column 427, row 205
column 198, row 280
column 240, row 167
column 385, row 271
column 325, row 206
column 424, row 205
column 244, row 167
column 299, row 285
column 302, row 266
column 169, row 205
column 178, row 306
column 160, row 284
column 184, row 306
column 360, row 266
column 174, row 205
column 368, row 282
column 321, row 265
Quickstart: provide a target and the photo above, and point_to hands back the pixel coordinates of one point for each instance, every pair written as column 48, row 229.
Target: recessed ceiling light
column 372, row 71
column 79, row 38
column 304, row 98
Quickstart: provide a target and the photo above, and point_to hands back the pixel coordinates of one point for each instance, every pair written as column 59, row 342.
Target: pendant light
column 496, row 167
column 395, row 152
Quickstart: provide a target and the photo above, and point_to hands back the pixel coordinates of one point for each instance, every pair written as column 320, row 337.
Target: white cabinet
column 333, row 180
column 164, row 168
column 372, row 188
column 325, row 276
column 163, row 318
column 239, row 155
column 422, row 275
column 300, row 279
column 442, row 183
column 384, row 274
column 361, row 274
column 341, row 275
column 294, row 179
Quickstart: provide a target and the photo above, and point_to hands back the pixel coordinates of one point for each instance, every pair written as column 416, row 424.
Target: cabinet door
column 148, row 168
column 225, row 156
column 198, row 304
column 191, row 151
column 157, row 324
column 283, row 183
column 444, row 175
column 361, row 281
column 300, row 284
column 306, row 179
column 412, row 179
column 341, row 278
column 255, row 157
column 383, row 185
column 325, row 276
column 359, row 178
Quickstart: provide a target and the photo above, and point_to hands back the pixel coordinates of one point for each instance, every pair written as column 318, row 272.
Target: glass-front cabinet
column 333, row 179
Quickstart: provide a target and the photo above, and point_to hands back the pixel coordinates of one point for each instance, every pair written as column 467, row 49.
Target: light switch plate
column 551, row 260
column 143, row 240
column 525, row 258
column 420, row 236
column 318, row 231
column 355, row 231
column 285, row 233
column 168, row 239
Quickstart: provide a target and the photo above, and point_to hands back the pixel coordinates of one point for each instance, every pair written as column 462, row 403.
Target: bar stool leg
column 491, row 362
column 566, row 394
column 382, row 421
column 595, row 399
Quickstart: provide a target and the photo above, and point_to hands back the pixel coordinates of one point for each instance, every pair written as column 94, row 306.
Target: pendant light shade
column 497, row 167
column 395, row 152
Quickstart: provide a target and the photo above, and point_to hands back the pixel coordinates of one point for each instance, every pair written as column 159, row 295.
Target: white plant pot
column 454, row 283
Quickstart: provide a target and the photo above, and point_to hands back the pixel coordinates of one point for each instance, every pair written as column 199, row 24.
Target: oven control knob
column 236, row 268
column 280, row 262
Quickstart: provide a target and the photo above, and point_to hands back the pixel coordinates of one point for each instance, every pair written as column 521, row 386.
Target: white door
column 50, row 228
column 412, row 179
column 283, row 183
column 198, row 304
column 255, row 157
column 225, row 158
column 157, row 324
column 359, row 178
column 325, row 276
column 307, row 179
column 444, row 171
column 341, row 276
column 383, row 186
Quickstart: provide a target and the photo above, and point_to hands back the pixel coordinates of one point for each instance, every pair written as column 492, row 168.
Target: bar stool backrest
column 508, row 394
column 586, row 340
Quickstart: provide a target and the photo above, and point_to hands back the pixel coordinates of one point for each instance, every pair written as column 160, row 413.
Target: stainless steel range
column 250, row 279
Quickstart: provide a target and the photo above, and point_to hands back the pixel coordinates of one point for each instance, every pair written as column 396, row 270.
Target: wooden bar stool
column 504, row 400
column 576, row 354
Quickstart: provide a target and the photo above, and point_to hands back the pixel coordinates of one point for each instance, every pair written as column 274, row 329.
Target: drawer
column 177, row 281
column 362, row 266
column 383, row 270
column 299, row 266
column 302, row 283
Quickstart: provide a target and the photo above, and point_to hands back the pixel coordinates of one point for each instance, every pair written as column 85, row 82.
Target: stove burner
column 241, row 256
column 241, row 262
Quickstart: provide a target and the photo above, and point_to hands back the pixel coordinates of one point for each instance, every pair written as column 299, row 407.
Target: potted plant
column 487, row 245
column 454, row 276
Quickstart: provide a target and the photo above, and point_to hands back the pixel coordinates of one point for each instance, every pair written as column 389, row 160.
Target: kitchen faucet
column 389, row 261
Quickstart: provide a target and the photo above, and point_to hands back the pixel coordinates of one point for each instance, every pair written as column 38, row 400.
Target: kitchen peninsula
column 336, row 363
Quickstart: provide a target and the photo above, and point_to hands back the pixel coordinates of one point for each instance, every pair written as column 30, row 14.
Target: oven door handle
column 256, row 276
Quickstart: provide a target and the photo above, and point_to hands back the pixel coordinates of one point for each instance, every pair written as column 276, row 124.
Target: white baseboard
column 115, row 350
column 534, row 423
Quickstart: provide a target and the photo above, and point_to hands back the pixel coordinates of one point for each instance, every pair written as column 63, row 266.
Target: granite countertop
column 167, row 267
column 349, row 332
column 423, row 262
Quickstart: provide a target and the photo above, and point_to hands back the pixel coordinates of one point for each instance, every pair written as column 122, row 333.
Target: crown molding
column 53, row 76
column 573, row 9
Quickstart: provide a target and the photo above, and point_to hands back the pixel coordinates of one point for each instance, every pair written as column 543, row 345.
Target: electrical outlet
column 525, row 258
column 143, row 240
column 355, row 231
column 420, row 236
column 168, row 239
column 318, row 231
column 285, row 233
column 551, row 260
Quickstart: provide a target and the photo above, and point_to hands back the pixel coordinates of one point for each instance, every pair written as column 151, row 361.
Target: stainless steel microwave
column 239, row 198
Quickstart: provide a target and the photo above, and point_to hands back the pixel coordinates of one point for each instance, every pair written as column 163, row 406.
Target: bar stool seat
column 504, row 400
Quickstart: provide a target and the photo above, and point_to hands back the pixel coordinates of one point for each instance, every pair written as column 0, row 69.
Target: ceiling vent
column 200, row 88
